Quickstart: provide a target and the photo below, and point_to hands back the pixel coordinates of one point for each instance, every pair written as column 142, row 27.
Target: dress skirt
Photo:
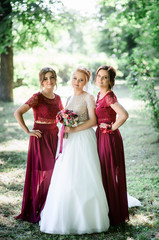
column 40, row 165
column 111, row 154
column 76, row 201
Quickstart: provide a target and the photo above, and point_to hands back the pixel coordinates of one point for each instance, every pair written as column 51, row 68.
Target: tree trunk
column 6, row 78
column 6, row 57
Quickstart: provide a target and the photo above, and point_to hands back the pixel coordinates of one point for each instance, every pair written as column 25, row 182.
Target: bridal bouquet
column 68, row 118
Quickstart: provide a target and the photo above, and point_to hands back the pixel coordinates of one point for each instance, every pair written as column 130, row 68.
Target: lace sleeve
column 60, row 104
column 90, row 101
column 110, row 98
column 33, row 101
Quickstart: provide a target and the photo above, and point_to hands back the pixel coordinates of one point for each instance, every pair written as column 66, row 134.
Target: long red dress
column 111, row 154
column 41, row 156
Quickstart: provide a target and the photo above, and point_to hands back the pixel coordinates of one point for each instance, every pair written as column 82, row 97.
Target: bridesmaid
column 110, row 145
column 42, row 146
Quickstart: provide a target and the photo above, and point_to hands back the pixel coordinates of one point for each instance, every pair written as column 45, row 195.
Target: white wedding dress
column 76, row 201
column 133, row 202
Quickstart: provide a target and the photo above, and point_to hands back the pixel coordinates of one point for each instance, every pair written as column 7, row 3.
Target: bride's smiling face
column 78, row 80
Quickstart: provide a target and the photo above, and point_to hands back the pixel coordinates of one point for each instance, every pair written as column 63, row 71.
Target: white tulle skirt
column 133, row 202
column 76, row 201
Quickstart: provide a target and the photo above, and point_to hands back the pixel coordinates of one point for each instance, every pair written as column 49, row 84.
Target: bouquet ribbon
column 61, row 140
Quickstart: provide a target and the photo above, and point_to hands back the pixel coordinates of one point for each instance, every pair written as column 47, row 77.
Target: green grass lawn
column 142, row 169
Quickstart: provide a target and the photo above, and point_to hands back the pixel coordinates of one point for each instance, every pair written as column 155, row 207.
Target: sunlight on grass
column 15, row 176
column 141, row 219
column 11, row 194
column 9, row 199
column 11, row 125
column 14, row 145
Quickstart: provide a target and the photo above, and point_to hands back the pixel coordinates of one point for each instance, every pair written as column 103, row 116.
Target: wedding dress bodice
column 80, row 105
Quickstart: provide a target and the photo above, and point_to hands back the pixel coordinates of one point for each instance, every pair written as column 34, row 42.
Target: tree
column 117, row 37
column 143, row 63
column 21, row 24
column 6, row 76
column 131, row 33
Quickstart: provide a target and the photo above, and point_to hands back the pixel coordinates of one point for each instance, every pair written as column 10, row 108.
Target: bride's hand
column 69, row 129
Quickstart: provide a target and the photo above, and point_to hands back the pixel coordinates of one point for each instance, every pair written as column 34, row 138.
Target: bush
column 141, row 80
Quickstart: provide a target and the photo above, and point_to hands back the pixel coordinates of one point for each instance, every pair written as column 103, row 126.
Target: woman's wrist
column 107, row 128
column 27, row 131
column 112, row 127
column 75, row 129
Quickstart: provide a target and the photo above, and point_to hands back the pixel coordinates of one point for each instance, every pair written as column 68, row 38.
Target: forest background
column 66, row 34
column 125, row 34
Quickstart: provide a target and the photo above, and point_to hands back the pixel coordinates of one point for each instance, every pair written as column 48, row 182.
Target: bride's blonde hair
column 85, row 71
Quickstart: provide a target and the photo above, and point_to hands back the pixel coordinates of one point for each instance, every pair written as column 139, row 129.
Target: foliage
column 143, row 84
column 29, row 22
column 64, row 72
column 126, row 26
column 117, row 35
column 143, row 69
column 27, row 64
column 131, row 33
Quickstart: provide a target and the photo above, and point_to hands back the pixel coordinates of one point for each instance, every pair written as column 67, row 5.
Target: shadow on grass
column 7, row 210
column 10, row 160
column 13, row 187
column 24, row 230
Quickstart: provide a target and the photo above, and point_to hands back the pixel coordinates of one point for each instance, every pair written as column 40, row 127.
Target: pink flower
column 67, row 117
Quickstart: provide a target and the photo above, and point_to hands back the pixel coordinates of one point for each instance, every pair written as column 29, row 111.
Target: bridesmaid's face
column 78, row 80
column 49, row 80
column 102, row 79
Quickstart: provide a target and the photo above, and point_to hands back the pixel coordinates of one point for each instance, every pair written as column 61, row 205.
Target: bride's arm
column 90, row 123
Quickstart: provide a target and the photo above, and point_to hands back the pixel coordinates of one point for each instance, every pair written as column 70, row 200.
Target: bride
column 76, row 201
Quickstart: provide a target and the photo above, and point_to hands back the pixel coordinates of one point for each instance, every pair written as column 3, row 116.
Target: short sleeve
column 110, row 98
column 60, row 104
column 90, row 101
column 33, row 101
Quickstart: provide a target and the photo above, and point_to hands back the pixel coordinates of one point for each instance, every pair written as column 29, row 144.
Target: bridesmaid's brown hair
column 111, row 71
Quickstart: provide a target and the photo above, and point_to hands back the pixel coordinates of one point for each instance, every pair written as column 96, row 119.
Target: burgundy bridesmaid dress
column 41, row 155
column 111, row 154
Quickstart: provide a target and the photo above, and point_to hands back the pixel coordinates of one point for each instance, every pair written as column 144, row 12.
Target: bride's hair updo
column 85, row 71
column 111, row 71
column 45, row 70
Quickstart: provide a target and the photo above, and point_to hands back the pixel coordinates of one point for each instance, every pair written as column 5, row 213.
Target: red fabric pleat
column 111, row 154
column 40, row 165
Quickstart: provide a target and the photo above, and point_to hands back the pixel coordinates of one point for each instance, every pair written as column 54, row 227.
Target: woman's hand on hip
column 35, row 133
column 105, row 125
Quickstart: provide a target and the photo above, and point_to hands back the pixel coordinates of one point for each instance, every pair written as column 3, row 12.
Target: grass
column 142, row 165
